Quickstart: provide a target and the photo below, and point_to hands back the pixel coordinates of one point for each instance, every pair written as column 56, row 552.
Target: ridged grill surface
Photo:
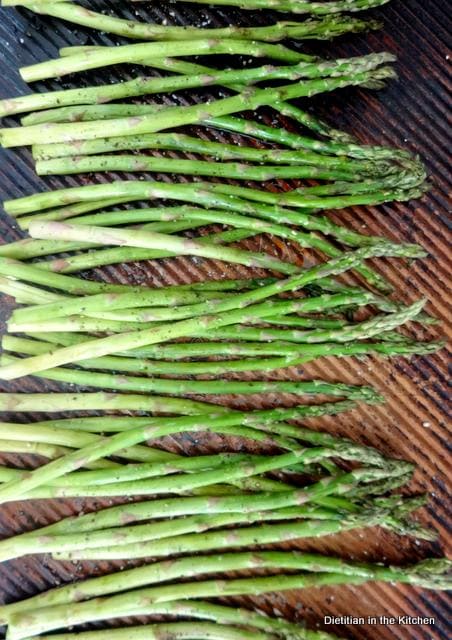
column 413, row 424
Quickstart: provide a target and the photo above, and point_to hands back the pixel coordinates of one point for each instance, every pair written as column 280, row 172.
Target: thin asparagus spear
column 178, row 116
column 296, row 141
column 143, row 576
column 137, row 53
column 222, row 317
column 194, row 387
column 15, row 488
column 132, row 163
column 199, row 78
column 57, row 402
column 93, row 259
column 27, row 294
column 181, row 142
column 349, row 333
column 253, row 224
column 300, row 6
column 427, row 574
column 128, row 514
column 189, row 68
column 301, row 355
column 297, row 6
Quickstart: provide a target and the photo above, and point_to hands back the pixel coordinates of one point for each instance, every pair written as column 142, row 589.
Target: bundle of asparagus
column 125, row 338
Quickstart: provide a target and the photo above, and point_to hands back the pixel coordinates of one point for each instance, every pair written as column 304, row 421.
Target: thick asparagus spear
column 227, row 615
column 315, row 29
column 173, row 630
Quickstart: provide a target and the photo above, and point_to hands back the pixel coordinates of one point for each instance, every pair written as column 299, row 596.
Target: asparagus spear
column 247, row 202
column 178, row 116
column 317, row 29
column 207, row 387
column 221, row 615
column 132, row 163
column 304, row 353
column 21, row 625
column 174, row 630
column 222, row 539
column 181, row 142
column 145, row 51
column 296, row 6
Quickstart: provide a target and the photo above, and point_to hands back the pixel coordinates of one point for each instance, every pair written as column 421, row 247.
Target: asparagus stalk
column 137, row 53
column 298, row 6
column 316, row 29
column 303, row 354
column 27, row 294
column 207, row 387
column 252, row 224
column 128, row 514
column 296, row 141
column 161, row 242
column 181, row 142
column 132, row 163
column 224, row 615
column 29, row 248
column 178, row 116
column 174, row 630
column 189, row 68
column 21, row 625
column 361, row 331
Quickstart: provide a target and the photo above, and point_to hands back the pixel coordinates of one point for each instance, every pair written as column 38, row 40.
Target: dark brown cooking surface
column 413, row 423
